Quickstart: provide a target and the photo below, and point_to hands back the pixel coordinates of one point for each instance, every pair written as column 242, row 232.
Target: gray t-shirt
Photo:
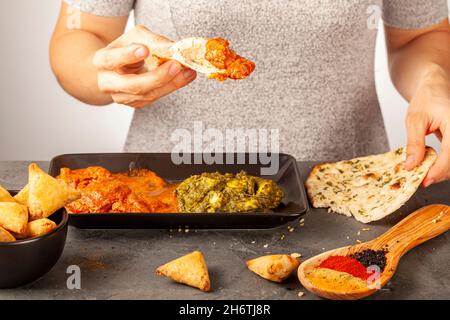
column 314, row 77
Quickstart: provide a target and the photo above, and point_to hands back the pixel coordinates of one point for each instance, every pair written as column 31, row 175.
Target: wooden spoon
column 418, row 227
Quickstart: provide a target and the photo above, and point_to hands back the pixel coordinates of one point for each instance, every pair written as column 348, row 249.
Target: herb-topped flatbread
column 368, row 188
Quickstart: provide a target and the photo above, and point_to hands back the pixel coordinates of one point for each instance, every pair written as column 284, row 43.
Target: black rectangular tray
column 288, row 177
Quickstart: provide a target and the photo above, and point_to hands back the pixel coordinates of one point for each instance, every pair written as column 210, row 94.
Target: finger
column 140, row 84
column 115, row 58
column 182, row 79
column 440, row 171
column 416, row 132
column 136, row 101
column 126, row 99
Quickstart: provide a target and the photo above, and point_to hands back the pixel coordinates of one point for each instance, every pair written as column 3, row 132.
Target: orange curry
column 102, row 191
column 219, row 54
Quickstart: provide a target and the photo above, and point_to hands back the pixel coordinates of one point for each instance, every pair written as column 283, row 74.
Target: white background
column 38, row 120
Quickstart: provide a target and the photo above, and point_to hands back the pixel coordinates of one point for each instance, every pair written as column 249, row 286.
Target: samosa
column 13, row 217
column 47, row 194
column 5, row 196
column 5, row 236
column 22, row 196
column 274, row 267
column 40, row 227
column 190, row 269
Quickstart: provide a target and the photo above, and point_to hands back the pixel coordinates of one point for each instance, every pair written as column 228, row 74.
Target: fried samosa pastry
column 40, row 227
column 190, row 269
column 13, row 217
column 47, row 194
column 22, row 196
column 5, row 236
column 5, row 196
column 275, row 267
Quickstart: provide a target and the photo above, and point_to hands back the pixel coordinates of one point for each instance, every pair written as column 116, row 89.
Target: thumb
column 415, row 149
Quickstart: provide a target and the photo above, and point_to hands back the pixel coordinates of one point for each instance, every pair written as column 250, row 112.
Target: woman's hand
column 122, row 72
column 429, row 112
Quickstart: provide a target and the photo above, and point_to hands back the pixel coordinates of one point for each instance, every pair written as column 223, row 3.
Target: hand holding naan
column 122, row 72
column 429, row 112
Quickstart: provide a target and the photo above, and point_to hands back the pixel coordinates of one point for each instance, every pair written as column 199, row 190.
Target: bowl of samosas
column 33, row 228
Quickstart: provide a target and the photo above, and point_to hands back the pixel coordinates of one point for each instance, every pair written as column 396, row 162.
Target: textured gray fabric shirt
column 320, row 94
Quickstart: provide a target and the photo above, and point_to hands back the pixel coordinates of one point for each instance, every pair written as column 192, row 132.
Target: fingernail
column 188, row 73
column 428, row 183
column 140, row 52
column 409, row 161
column 175, row 69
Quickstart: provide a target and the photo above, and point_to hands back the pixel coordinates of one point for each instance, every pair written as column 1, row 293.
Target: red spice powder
column 345, row 264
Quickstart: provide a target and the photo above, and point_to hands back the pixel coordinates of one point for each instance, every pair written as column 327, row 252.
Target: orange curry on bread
column 219, row 54
column 136, row 191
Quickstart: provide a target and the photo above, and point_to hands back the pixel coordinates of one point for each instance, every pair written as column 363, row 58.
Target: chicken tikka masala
column 219, row 54
column 102, row 191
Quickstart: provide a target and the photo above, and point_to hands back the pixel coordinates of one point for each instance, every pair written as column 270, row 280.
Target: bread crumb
column 301, row 294
column 253, row 242
column 295, row 255
column 302, row 220
column 348, row 238
column 365, row 229
column 266, row 246
column 282, row 237
column 359, row 241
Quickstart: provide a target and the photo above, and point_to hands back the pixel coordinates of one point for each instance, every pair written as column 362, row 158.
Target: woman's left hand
column 429, row 112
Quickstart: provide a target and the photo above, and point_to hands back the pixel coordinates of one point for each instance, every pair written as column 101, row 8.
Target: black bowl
column 25, row 261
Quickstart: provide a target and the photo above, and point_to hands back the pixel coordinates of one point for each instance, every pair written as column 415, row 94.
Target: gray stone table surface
column 120, row 264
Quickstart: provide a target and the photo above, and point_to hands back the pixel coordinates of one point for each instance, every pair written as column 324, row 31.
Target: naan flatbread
column 368, row 188
column 190, row 269
column 274, row 267
column 5, row 196
column 47, row 194
column 13, row 217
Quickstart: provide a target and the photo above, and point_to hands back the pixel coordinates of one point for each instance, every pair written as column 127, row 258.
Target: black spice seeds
column 371, row 257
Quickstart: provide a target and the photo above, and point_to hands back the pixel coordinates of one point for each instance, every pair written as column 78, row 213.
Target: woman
column 314, row 79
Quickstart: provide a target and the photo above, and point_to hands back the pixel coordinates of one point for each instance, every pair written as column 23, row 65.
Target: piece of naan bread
column 13, row 217
column 190, row 269
column 368, row 188
column 274, row 267
column 5, row 196
column 190, row 52
column 47, row 194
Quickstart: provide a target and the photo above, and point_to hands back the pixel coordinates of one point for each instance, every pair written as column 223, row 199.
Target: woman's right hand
column 122, row 72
